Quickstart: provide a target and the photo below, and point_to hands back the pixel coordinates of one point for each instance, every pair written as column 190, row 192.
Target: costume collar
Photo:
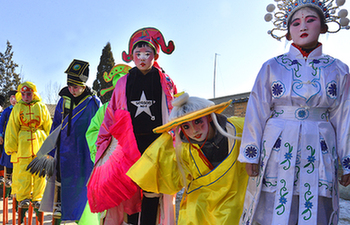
column 300, row 53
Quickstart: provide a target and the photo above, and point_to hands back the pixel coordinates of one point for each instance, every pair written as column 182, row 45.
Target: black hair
column 11, row 92
column 143, row 44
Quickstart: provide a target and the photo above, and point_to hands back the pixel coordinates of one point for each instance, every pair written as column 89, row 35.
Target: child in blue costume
column 78, row 104
column 5, row 159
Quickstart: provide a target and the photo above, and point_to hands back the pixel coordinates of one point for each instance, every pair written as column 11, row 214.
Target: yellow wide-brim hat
column 219, row 108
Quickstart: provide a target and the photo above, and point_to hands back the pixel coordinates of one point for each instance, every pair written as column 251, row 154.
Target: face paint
column 143, row 55
column 197, row 129
column 27, row 96
column 144, row 58
column 305, row 28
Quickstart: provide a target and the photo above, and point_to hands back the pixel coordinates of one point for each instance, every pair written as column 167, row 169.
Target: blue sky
column 47, row 35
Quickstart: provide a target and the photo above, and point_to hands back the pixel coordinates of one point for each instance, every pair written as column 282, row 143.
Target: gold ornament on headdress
column 286, row 8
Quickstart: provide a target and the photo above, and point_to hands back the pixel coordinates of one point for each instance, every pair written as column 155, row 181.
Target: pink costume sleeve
column 118, row 101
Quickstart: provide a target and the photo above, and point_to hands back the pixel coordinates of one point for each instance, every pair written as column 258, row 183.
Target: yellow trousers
column 25, row 184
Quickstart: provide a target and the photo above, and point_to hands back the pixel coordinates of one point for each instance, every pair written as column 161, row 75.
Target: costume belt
column 300, row 113
column 32, row 129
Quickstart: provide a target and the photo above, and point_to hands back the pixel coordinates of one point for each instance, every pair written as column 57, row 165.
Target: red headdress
column 152, row 36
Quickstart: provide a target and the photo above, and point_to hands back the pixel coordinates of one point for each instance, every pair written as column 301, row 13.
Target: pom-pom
column 340, row 2
column 344, row 22
column 268, row 17
column 343, row 13
column 179, row 101
column 270, row 7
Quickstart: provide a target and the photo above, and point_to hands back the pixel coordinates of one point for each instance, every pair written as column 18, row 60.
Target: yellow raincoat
column 213, row 196
column 28, row 127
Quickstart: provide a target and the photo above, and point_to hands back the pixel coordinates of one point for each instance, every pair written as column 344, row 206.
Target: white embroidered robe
column 296, row 127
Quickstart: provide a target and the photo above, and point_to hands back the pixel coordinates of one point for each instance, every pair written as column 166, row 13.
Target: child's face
column 198, row 129
column 305, row 28
column 144, row 58
column 13, row 100
column 76, row 90
column 27, row 96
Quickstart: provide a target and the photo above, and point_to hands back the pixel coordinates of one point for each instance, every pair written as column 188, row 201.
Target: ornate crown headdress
column 286, row 8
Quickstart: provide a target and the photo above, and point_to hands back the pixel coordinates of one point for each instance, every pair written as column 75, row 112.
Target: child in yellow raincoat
column 29, row 125
column 204, row 161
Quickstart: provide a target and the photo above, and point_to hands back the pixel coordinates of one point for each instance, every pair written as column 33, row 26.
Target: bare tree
column 51, row 92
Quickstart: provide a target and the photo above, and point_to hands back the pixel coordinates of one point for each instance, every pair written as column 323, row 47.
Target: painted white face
column 144, row 58
column 197, row 129
column 305, row 28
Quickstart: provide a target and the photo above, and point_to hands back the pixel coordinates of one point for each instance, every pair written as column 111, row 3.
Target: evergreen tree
column 9, row 79
column 106, row 64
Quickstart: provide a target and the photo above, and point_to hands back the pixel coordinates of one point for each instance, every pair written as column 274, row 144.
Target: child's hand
column 252, row 169
column 345, row 180
column 1, row 141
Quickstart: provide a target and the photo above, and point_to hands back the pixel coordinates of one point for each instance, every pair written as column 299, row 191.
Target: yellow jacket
column 27, row 128
column 212, row 196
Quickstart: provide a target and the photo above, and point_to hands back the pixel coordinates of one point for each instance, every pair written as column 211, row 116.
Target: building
column 238, row 106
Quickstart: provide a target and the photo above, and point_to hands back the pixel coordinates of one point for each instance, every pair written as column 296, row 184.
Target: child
column 297, row 125
column 204, row 161
column 27, row 128
column 77, row 105
column 5, row 159
column 146, row 93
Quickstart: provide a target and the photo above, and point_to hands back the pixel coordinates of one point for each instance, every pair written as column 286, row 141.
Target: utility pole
column 216, row 54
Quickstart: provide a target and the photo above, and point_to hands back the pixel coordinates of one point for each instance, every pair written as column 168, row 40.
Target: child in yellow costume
column 29, row 125
column 204, row 161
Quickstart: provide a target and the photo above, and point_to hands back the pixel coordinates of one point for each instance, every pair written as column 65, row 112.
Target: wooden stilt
column 14, row 209
column 5, row 205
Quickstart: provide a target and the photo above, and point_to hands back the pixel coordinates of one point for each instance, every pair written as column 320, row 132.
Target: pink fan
column 109, row 185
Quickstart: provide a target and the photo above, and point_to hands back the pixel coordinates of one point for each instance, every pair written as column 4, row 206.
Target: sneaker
column 24, row 204
column 57, row 213
column 36, row 204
